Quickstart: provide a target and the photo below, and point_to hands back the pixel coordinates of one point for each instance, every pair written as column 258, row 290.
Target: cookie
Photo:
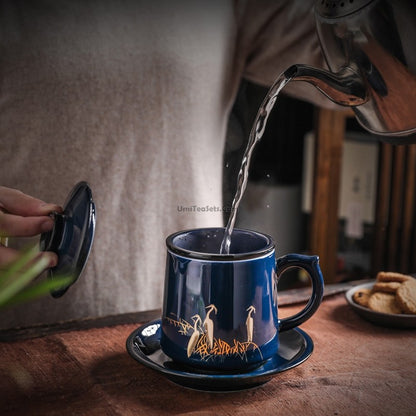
column 406, row 296
column 361, row 296
column 392, row 277
column 383, row 302
column 387, row 287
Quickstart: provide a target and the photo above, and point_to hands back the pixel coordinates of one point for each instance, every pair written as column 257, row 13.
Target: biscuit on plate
column 392, row 277
column 387, row 287
column 383, row 302
column 406, row 296
column 361, row 296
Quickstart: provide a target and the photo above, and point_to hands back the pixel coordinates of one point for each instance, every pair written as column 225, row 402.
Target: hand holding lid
column 72, row 236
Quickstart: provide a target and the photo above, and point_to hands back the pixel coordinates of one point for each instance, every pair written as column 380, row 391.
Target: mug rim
column 172, row 247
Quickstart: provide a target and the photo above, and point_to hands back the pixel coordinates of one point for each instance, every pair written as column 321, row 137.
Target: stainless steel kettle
column 369, row 46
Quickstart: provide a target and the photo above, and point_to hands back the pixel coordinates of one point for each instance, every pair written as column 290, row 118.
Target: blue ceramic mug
column 220, row 310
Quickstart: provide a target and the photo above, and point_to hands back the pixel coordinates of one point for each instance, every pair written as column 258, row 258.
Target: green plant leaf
column 36, row 291
column 16, row 282
column 20, row 263
column 22, row 279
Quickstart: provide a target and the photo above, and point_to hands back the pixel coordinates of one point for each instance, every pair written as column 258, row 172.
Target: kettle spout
column 344, row 88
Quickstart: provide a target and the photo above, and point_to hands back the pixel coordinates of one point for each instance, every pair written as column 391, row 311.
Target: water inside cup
column 208, row 241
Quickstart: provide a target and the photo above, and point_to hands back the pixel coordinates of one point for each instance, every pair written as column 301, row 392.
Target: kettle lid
column 72, row 235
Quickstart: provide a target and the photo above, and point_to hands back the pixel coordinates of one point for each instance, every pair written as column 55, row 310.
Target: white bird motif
column 195, row 335
column 249, row 323
column 209, row 325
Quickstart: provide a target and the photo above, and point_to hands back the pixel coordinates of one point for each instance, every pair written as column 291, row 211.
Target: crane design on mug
column 195, row 335
column 249, row 323
column 203, row 342
column 209, row 325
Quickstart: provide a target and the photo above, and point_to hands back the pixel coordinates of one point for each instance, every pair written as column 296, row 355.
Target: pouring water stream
column 256, row 134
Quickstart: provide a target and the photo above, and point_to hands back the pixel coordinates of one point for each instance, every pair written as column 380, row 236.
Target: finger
column 16, row 202
column 9, row 255
column 16, row 226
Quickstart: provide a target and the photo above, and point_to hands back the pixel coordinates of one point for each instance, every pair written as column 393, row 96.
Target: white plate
column 379, row 318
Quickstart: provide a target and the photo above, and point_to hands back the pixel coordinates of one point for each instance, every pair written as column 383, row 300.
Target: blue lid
column 72, row 236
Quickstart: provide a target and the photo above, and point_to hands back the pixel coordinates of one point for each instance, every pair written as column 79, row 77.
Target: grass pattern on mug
column 182, row 324
column 223, row 348
column 203, row 343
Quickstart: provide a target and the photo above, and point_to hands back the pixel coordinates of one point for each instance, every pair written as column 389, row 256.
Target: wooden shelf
column 394, row 242
column 323, row 238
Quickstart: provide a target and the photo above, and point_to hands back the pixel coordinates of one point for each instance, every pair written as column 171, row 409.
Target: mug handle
column 311, row 265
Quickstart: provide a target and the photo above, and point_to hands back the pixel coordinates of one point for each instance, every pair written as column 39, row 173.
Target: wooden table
column 356, row 368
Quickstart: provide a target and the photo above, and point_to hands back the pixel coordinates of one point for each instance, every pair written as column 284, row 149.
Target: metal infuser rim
column 267, row 246
column 339, row 8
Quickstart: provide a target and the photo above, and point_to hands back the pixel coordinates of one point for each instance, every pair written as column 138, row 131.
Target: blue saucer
column 143, row 345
